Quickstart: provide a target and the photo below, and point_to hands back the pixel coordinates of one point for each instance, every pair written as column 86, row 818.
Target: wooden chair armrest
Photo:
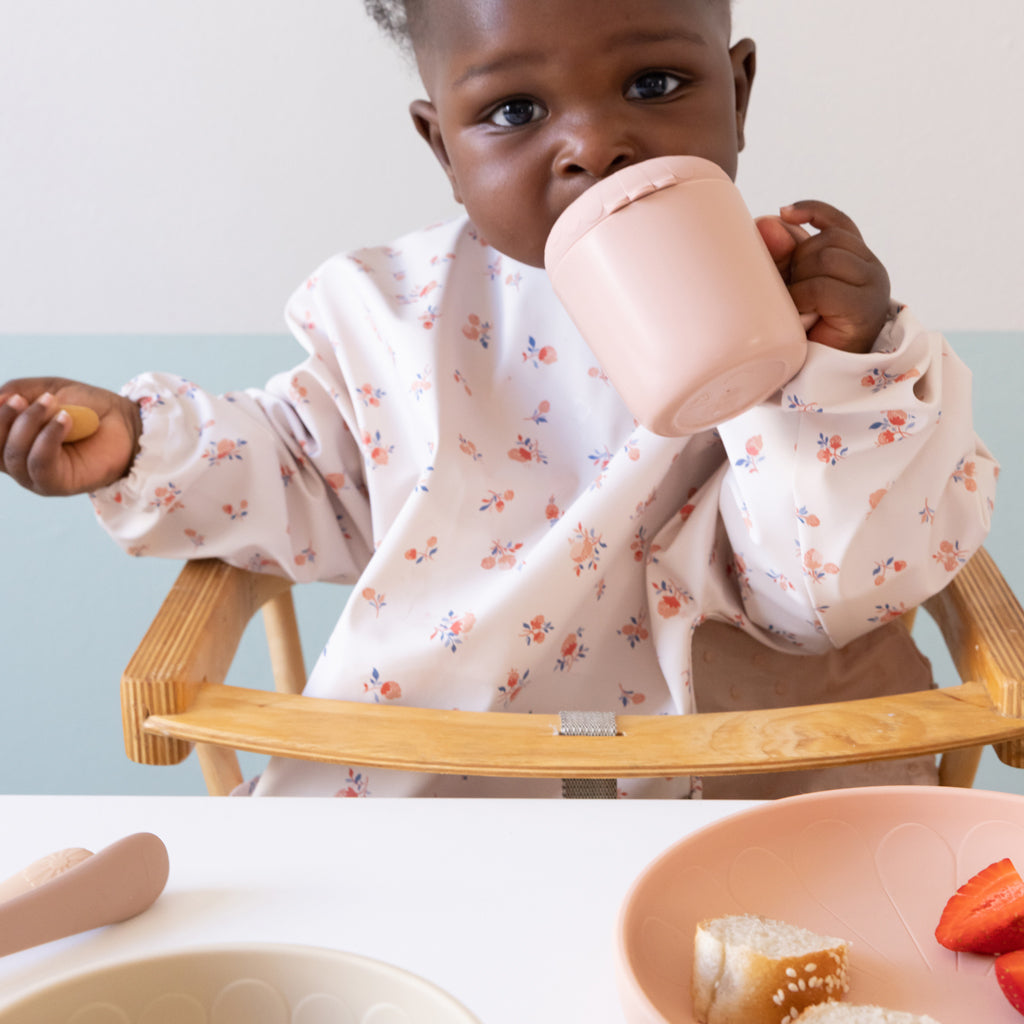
column 982, row 623
column 501, row 744
column 192, row 640
column 172, row 697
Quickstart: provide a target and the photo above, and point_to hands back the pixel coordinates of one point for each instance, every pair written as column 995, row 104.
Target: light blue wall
column 74, row 606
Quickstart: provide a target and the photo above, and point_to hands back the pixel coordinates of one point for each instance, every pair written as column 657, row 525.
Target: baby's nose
column 596, row 146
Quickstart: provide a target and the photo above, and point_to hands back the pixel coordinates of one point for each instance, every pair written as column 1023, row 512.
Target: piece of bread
column 847, row 1013
column 753, row 970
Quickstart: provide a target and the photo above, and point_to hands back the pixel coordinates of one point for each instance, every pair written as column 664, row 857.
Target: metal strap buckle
column 588, row 723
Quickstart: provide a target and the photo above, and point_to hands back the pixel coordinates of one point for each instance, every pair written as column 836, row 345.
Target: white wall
column 180, row 165
column 908, row 114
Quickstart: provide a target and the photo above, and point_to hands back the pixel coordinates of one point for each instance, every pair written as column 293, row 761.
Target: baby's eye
column 516, row 113
column 652, row 85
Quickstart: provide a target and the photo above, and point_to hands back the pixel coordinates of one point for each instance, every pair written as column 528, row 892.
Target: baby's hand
column 832, row 274
column 33, row 432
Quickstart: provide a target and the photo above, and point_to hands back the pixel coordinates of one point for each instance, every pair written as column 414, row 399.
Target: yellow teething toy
column 84, row 422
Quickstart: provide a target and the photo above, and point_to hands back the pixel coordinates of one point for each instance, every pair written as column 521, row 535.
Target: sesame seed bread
column 847, row 1013
column 759, row 971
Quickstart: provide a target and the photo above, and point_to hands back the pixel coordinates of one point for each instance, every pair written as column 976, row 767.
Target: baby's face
column 532, row 101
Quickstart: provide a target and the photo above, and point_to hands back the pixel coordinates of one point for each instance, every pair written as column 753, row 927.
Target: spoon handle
column 113, row 885
column 42, row 871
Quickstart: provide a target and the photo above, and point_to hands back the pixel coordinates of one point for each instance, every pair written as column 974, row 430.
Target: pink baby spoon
column 74, row 890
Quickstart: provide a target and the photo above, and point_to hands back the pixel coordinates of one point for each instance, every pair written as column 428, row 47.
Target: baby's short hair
column 393, row 16
column 397, row 17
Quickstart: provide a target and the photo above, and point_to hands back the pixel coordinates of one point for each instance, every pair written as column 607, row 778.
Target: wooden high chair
column 173, row 696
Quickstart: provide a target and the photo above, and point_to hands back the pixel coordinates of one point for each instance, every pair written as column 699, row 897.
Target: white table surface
column 509, row 905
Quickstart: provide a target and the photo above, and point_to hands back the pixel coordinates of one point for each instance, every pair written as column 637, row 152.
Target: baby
column 451, row 447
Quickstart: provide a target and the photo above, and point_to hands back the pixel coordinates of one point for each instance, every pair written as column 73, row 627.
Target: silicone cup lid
column 620, row 189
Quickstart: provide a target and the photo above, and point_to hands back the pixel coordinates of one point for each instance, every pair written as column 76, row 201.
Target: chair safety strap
column 588, row 723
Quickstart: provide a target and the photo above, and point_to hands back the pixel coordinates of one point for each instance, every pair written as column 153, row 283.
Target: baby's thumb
column 781, row 239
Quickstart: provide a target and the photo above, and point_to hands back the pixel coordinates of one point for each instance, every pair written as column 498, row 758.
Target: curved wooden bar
column 499, row 744
column 172, row 697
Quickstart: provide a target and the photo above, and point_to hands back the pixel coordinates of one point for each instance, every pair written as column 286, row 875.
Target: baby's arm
column 267, row 479
column 861, row 492
column 33, row 431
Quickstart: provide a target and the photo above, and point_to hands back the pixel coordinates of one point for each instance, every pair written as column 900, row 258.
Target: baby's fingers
column 11, row 407
column 848, row 292
column 781, row 240
column 834, row 301
column 838, row 255
column 32, row 437
column 819, row 215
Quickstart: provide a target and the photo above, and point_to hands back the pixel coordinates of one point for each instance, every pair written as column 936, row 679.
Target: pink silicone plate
column 874, row 866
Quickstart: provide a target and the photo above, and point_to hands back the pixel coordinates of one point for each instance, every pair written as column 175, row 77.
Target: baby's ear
column 743, row 56
column 424, row 116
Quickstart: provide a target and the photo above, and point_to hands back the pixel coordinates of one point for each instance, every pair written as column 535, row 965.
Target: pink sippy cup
column 665, row 274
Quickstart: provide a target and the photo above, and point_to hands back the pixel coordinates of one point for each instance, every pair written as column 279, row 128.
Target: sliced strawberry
column 1010, row 975
column 986, row 914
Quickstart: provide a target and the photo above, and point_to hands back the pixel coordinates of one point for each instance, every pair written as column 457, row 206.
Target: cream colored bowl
column 247, row 984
